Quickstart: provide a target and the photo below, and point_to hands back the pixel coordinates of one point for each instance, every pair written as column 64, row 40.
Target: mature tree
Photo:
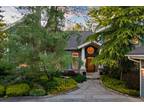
column 118, row 26
column 2, row 34
column 35, row 46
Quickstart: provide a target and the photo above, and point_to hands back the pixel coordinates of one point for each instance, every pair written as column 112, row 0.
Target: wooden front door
column 89, row 66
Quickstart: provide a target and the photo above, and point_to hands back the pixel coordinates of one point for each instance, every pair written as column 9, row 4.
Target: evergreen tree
column 121, row 25
column 31, row 44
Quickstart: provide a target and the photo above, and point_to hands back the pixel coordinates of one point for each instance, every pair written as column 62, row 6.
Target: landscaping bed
column 39, row 87
column 79, row 78
column 118, row 85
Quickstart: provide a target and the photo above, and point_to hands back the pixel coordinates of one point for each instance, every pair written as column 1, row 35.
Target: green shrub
column 79, row 78
column 44, row 78
column 2, row 90
column 37, row 92
column 18, row 90
column 61, row 85
column 118, row 86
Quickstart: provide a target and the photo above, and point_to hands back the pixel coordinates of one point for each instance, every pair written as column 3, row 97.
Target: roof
column 76, row 39
column 137, row 52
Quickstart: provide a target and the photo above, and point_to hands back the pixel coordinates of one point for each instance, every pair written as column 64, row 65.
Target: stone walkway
column 89, row 91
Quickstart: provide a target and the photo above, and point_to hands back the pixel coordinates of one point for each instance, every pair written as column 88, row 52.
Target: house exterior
column 82, row 52
column 137, row 55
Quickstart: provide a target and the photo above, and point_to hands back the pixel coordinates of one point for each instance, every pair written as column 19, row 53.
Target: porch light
column 142, row 71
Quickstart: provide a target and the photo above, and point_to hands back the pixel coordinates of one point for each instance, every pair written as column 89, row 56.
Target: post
column 141, row 78
column 82, row 69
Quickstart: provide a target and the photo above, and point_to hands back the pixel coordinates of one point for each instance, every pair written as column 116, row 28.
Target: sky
column 76, row 15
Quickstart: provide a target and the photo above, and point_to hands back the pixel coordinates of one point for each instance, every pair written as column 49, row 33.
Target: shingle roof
column 137, row 51
column 77, row 39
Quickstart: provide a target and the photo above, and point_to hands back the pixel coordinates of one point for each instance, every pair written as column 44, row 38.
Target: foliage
column 61, row 85
column 118, row 27
column 118, row 86
column 40, row 49
column 2, row 90
column 37, row 92
column 3, row 35
column 17, row 90
column 79, row 78
column 77, row 27
column 55, row 16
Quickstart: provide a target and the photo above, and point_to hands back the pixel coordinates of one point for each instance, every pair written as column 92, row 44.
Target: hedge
column 18, row 90
column 2, row 90
column 59, row 85
column 37, row 92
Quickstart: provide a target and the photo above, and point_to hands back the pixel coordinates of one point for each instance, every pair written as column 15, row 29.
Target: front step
column 94, row 75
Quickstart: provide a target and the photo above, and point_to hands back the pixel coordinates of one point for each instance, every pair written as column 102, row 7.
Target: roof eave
column 87, row 43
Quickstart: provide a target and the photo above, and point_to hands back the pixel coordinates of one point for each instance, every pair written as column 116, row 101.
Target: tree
column 2, row 34
column 35, row 46
column 118, row 27
column 77, row 27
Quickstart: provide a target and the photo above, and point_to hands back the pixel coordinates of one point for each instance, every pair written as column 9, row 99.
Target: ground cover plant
column 118, row 85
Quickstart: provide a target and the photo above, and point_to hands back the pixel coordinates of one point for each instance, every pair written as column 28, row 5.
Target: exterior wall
column 75, row 60
column 80, row 66
column 142, row 78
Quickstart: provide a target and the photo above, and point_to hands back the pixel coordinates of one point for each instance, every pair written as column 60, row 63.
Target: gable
column 78, row 40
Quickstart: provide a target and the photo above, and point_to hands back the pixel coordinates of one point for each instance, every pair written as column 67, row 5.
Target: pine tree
column 34, row 45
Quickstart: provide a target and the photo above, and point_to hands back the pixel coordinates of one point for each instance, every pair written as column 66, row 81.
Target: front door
column 89, row 66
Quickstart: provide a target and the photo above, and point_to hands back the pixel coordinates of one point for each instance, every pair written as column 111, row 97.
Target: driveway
column 89, row 91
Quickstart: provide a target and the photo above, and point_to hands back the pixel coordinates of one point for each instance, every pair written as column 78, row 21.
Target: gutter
column 130, row 58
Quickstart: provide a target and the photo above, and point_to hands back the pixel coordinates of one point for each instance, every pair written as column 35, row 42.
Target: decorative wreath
column 90, row 50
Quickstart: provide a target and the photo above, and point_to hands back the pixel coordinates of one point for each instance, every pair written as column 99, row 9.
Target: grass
column 118, row 85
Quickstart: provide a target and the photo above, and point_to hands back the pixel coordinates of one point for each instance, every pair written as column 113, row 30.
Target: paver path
column 89, row 91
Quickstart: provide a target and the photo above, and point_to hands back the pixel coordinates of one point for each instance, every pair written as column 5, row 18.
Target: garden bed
column 40, row 87
column 118, row 85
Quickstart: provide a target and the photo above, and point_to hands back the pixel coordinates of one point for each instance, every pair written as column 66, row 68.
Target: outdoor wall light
column 142, row 71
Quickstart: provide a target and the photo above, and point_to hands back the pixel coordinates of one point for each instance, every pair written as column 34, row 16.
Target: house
column 82, row 52
column 137, row 55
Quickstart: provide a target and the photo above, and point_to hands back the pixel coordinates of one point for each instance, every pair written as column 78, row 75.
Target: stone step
column 94, row 75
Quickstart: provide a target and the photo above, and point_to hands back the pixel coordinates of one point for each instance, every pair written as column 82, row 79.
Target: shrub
column 18, row 90
column 37, row 92
column 61, row 85
column 44, row 78
column 79, row 78
column 118, row 86
column 2, row 90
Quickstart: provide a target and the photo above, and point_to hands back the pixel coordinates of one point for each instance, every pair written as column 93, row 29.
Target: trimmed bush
column 118, row 86
column 44, row 78
column 37, row 92
column 18, row 90
column 2, row 90
column 79, row 78
column 59, row 85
